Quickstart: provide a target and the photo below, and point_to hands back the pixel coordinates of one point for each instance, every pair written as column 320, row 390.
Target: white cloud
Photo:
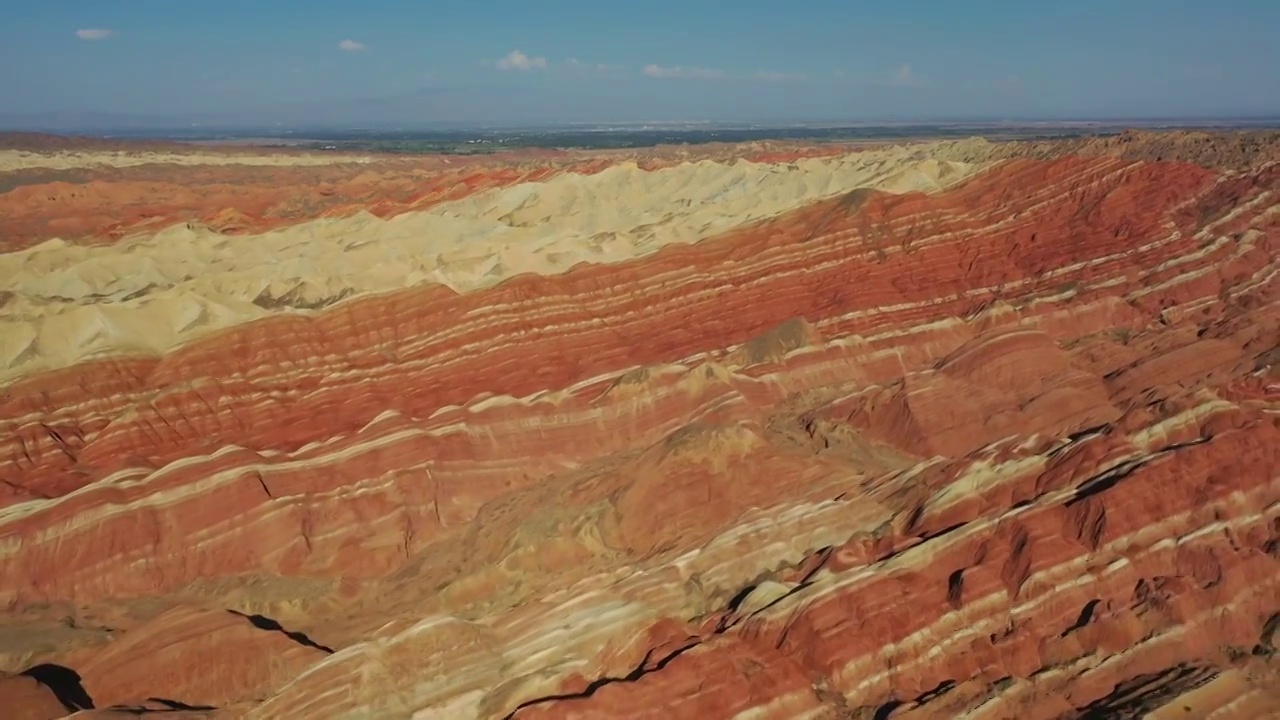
column 517, row 60
column 659, row 71
column 94, row 33
column 351, row 46
column 768, row 76
column 904, row 76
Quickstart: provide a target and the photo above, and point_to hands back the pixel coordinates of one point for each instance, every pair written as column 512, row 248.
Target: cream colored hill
column 149, row 294
column 11, row 160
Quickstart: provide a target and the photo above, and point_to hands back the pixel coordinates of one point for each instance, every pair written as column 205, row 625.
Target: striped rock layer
column 950, row 433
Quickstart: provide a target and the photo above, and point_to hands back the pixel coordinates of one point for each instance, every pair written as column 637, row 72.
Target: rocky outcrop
column 26, row 698
column 88, row 191
column 1227, row 150
column 154, row 654
column 1002, row 447
column 152, row 294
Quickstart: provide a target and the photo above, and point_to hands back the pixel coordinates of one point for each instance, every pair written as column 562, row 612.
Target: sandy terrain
column 150, row 293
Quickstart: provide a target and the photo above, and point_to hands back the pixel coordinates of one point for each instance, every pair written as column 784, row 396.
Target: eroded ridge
column 1004, row 448
column 152, row 293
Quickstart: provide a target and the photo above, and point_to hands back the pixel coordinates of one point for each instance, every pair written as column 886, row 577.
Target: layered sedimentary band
column 151, row 293
column 948, row 430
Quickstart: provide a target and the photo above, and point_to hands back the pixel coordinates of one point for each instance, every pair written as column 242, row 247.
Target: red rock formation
column 24, row 698
column 989, row 389
column 152, row 656
column 1007, row 450
column 236, row 199
column 103, row 203
column 922, row 282
column 1229, row 150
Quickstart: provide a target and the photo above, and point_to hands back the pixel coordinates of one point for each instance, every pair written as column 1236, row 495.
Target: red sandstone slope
column 103, row 203
column 1010, row 450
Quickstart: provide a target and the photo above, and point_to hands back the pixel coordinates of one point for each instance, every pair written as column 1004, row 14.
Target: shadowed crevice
column 1266, row 646
column 1137, row 696
column 884, row 711
column 262, row 622
column 1111, row 477
column 955, row 589
column 64, row 683
column 736, row 601
column 166, row 706
column 644, row 668
column 1085, row 617
column 176, row 705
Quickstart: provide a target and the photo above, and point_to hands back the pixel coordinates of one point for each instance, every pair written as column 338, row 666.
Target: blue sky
column 456, row 61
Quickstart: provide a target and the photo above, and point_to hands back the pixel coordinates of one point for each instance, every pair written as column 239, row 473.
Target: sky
column 522, row 62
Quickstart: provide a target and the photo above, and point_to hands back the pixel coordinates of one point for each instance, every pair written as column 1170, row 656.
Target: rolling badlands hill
column 946, row 430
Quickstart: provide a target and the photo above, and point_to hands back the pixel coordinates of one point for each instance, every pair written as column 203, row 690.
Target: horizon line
column 757, row 124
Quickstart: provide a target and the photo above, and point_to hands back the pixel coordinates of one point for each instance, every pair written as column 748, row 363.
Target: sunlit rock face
column 938, row 431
